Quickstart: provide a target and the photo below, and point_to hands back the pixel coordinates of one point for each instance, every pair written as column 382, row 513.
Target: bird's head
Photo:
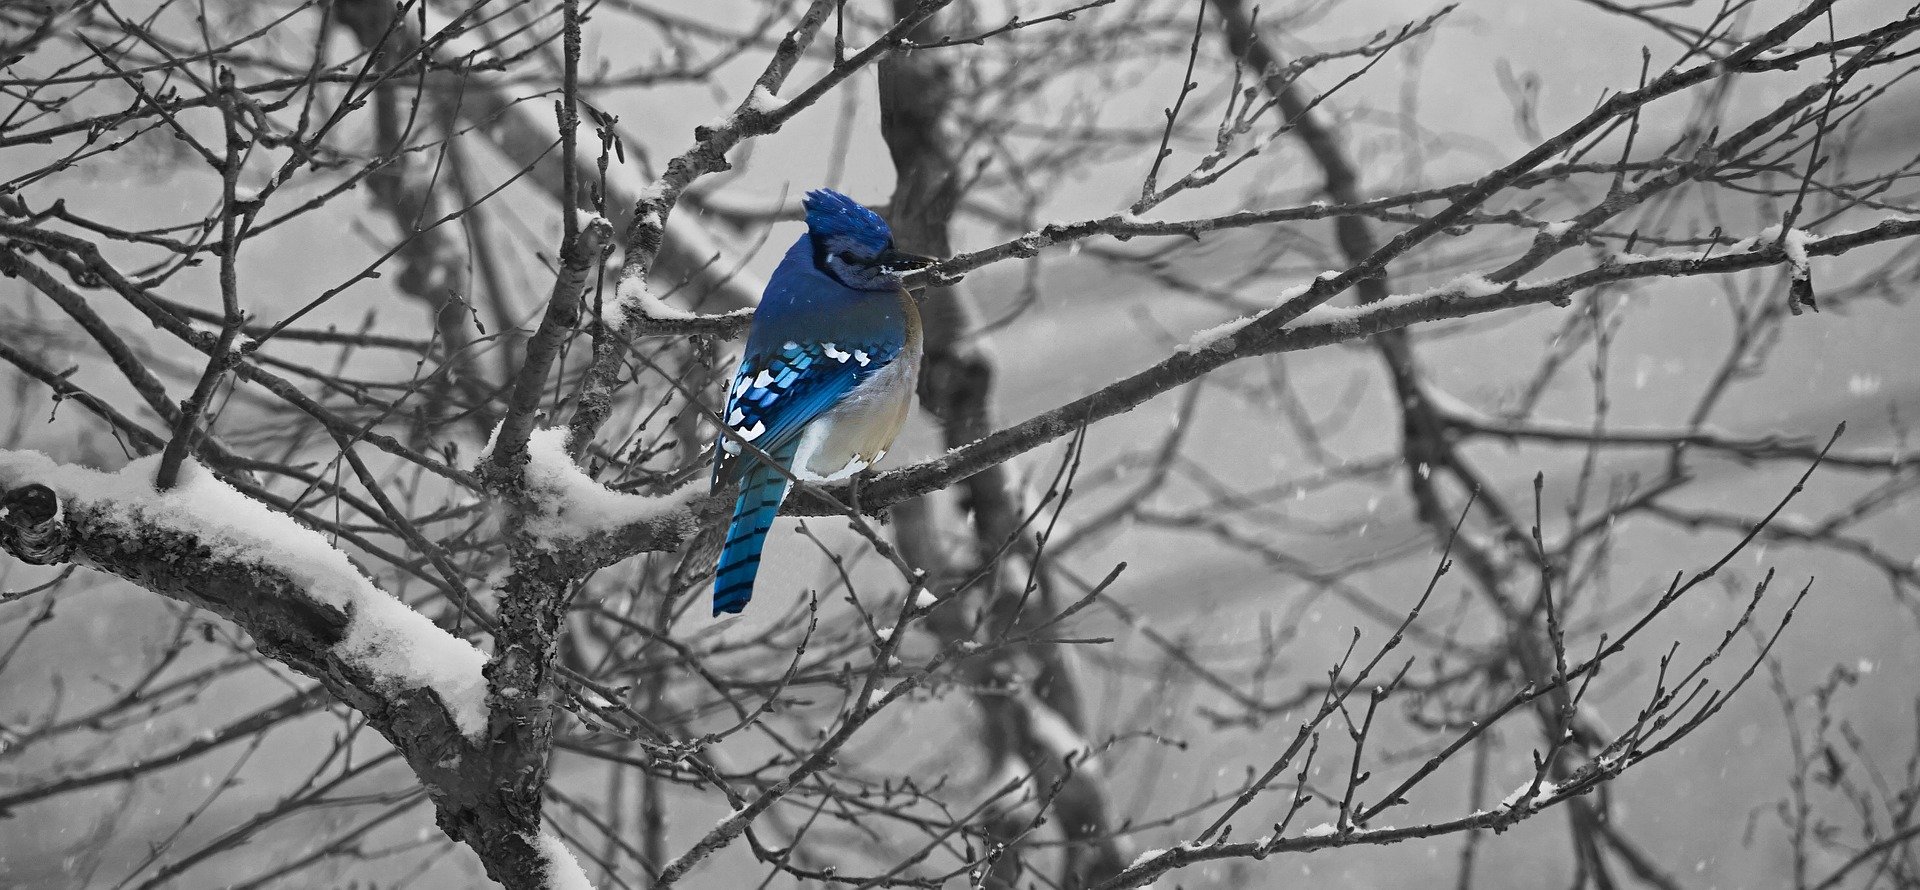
column 853, row 244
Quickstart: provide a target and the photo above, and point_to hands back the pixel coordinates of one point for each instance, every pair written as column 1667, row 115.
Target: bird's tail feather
column 762, row 489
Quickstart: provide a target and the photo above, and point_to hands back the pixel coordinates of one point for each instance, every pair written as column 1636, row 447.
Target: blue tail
column 761, row 491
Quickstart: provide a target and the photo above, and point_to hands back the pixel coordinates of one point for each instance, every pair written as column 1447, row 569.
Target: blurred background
column 1265, row 512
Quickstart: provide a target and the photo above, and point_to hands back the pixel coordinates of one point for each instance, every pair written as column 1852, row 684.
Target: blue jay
column 827, row 378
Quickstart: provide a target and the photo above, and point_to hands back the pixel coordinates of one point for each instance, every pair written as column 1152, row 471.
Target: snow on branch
column 563, row 868
column 566, row 506
column 397, row 649
column 634, row 302
column 1530, row 793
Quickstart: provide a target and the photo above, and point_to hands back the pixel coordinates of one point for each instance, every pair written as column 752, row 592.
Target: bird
column 826, row 380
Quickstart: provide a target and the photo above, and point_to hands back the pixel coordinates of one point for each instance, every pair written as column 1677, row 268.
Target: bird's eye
column 845, row 258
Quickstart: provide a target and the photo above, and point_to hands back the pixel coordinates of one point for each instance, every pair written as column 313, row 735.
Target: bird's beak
column 901, row 262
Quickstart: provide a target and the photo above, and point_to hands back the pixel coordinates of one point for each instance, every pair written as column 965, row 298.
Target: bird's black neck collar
column 826, row 268
column 820, row 262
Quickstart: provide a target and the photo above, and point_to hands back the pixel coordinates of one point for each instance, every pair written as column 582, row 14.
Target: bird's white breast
column 856, row 433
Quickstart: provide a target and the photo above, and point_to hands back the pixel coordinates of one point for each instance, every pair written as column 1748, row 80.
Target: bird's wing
column 777, row 393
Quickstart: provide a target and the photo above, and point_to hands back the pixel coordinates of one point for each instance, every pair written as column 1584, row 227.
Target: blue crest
column 832, row 216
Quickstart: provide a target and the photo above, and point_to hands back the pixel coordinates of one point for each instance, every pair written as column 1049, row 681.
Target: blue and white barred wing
column 776, row 394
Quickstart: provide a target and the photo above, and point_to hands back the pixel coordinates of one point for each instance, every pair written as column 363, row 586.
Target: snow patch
column 631, row 295
column 1346, row 321
column 569, row 504
column 1469, row 285
column 763, row 101
column 563, row 869
column 1219, row 337
column 1794, row 242
column 1144, row 856
column 1547, row 789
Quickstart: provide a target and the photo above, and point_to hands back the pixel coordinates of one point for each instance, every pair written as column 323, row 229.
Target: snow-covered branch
column 281, row 581
column 304, row 603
